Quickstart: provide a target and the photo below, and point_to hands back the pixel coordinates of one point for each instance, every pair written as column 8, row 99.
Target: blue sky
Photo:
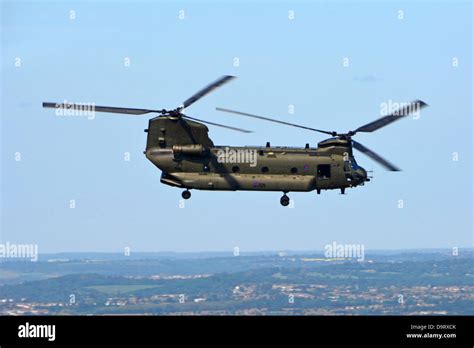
column 282, row 62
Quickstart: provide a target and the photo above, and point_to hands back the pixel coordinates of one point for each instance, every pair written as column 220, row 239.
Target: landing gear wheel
column 186, row 194
column 284, row 200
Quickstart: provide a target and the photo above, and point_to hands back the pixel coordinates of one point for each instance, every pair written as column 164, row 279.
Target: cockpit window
column 354, row 163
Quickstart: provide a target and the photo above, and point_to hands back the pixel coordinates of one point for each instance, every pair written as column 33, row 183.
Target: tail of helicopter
column 167, row 132
column 168, row 136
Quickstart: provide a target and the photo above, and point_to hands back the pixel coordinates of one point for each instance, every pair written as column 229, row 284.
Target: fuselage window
column 235, row 169
column 324, row 171
column 264, row 169
column 294, row 170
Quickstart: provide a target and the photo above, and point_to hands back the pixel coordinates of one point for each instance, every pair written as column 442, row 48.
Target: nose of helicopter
column 361, row 175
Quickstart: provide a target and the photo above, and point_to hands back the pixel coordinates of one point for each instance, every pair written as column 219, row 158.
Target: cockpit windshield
column 354, row 163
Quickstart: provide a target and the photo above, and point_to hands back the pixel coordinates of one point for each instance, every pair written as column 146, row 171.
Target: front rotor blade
column 92, row 108
column 206, row 90
column 272, row 120
column 374, row 156
column 406, row 110
column 217, row 124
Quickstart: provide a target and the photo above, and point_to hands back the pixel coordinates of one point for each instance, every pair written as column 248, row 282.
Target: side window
column 324, row 171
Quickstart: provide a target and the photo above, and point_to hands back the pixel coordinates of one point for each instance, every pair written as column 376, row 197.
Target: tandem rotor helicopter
column 180, row 147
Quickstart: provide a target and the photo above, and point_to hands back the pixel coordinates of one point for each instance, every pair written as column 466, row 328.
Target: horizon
column 251, row 252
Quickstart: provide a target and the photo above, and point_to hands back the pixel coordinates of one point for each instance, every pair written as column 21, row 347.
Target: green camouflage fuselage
column 189, row 159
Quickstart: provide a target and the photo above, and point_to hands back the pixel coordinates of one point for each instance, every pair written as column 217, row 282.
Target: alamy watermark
column 19, row 251
column 76, row 109
column 347, row 251
column 228, row 155
column 400, row 109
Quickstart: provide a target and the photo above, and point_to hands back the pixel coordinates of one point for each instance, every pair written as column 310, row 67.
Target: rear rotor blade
column 217, row 124
column 206, row 90
column 374, row 156
column 414, row 106
column 276, row 121
column 91, row 108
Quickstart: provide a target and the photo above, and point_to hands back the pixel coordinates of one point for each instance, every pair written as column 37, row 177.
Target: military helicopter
column 180, row 147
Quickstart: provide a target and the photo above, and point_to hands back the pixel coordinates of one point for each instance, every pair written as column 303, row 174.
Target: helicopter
column 180, row 147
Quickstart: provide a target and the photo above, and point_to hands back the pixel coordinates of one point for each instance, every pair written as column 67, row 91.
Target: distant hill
column 253, row 284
